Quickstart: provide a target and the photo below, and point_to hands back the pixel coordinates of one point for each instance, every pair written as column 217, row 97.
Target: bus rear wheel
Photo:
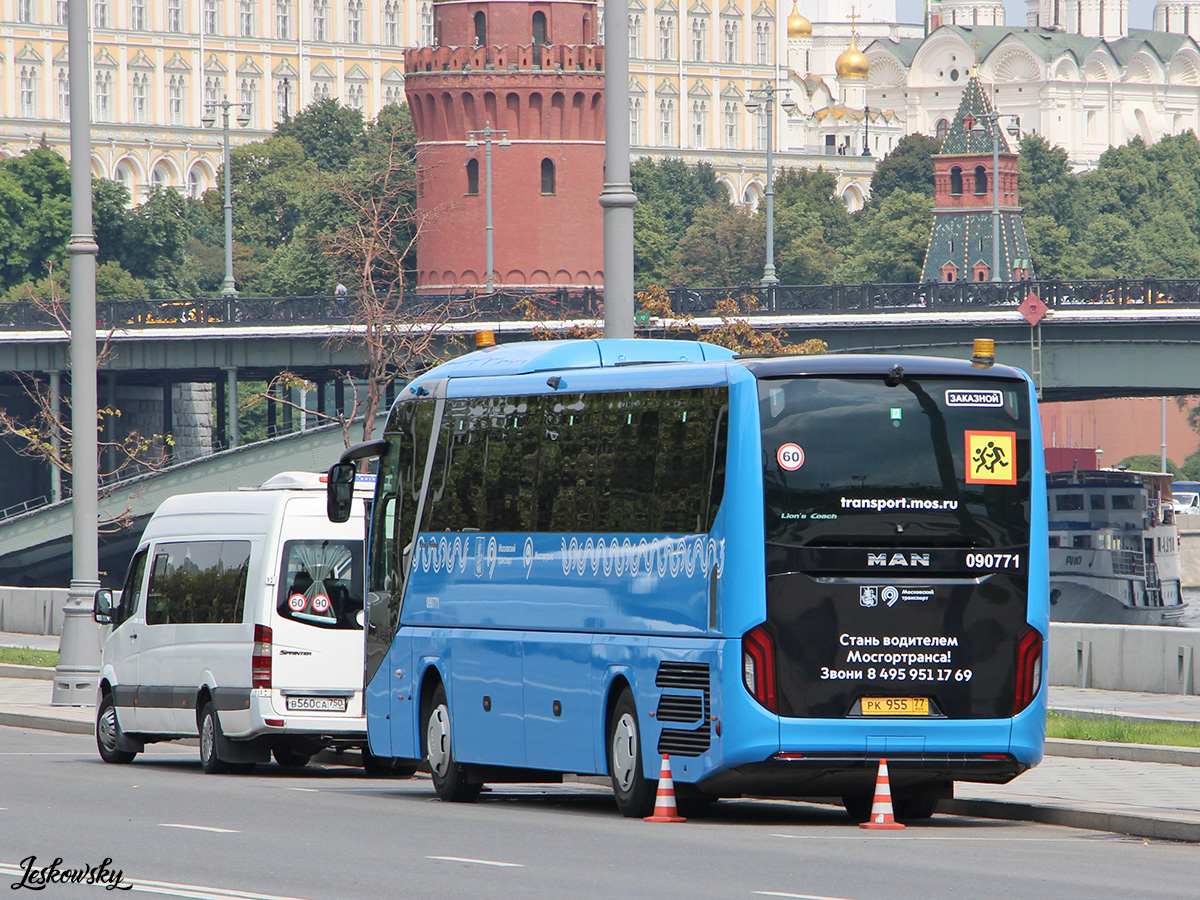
column 634, row 792
column 449, row 777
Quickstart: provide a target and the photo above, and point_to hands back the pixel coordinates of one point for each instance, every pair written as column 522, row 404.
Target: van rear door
column 317, row 667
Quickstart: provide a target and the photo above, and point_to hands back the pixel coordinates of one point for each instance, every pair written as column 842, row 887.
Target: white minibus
column 240, row 622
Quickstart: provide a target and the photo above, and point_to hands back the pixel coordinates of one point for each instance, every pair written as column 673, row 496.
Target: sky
column 1141, row 12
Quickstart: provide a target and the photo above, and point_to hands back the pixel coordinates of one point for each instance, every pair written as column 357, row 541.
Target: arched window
column 980, row 180
column 539, row 36
column 942, row 129
column 548, row 176
column 955, row 180
column 472, row 176
column 481, row 29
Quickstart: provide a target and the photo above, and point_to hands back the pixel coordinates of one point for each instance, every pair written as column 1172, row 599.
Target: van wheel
column 108, row 733
column 635, row 794
column 290, row 757
column 449, row 778
column 210, row 727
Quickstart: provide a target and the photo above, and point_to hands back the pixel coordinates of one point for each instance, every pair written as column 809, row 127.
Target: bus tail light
column 1028, row 678
column 758, row 666
column 260, row 662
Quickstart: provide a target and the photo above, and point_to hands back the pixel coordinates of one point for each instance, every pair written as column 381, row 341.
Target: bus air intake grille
column 692, row 706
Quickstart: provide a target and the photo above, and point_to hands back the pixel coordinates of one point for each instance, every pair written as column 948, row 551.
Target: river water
column 1191, row 618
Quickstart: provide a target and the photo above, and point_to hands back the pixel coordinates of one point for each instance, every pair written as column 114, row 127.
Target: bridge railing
column 587, row 303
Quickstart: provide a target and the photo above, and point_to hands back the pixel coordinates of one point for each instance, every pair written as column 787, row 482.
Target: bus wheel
column 911, row 807
column 108, row 733
column 449, row 778
column 635, row 794
column 209, row 728
column 858, row 806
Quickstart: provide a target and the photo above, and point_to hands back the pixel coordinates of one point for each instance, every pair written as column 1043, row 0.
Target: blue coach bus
column 586, row 554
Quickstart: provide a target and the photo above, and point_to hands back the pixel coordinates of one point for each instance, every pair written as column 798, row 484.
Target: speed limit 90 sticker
column 790, row 457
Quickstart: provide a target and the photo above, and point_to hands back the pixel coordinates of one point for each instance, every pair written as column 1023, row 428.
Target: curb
column 1175, row 756
column 45, row 723
column 1114, row 823
column 12, row 670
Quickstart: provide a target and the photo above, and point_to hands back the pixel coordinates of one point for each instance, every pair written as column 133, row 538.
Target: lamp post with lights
column 229, row 286
column 764, row 98
column 487, row 133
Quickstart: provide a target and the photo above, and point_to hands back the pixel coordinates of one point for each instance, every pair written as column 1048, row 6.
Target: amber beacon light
column 484, row 339
column 985, row 353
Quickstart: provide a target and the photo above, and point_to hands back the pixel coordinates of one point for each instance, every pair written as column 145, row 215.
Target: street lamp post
column 487, row 133
column 229, row 286
column 993, row 126
column 866, row 131
column 764, row 97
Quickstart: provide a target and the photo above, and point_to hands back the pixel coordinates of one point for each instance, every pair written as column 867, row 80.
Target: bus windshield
column 848, row 462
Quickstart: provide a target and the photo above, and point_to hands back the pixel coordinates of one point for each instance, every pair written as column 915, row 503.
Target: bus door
column 394, row 516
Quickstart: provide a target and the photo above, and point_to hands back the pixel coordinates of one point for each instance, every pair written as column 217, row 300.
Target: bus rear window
column 928, row 462
column 321, row 583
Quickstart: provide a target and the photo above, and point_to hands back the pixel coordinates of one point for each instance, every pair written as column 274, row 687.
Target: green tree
column 1053, row 253
column 724, row 246
column 1048, row 187
column 1113, row 248
column 890, row 244
column 1170, row 246
column 154, row 238
column 329, row 133
column 909, row 167
column 35, row 214
column 1149, row 462
column 811, row 226
column 670, row 194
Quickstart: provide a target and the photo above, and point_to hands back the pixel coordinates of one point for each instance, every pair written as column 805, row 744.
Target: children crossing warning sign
column 991, row 457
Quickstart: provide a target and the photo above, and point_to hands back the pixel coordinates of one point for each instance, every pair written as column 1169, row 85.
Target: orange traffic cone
column 664, row 805
column 881, row 809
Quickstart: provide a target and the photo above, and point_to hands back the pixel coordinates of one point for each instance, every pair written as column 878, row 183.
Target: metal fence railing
column 587, row 303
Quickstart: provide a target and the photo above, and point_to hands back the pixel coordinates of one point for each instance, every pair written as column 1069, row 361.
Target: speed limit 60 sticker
column 790, row 457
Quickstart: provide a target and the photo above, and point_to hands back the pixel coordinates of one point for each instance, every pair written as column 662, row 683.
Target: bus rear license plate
column 316, row 704
column 895, row 706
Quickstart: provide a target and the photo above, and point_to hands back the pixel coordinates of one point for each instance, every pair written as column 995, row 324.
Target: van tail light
column 260, row 662
column 758, row 666
column 1028, row 680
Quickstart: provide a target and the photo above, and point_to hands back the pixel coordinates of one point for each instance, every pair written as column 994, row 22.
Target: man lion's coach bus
column 586, row 554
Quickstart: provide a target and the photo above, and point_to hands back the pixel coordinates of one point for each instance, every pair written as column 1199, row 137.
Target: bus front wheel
column 449, row 777
column 634, row 792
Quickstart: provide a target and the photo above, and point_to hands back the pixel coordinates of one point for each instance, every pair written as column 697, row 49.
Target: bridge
column 1098, row 338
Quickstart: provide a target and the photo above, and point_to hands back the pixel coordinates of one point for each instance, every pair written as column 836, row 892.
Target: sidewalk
column 1150, row 792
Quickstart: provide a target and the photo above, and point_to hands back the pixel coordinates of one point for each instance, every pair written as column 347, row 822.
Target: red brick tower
column 533, row 72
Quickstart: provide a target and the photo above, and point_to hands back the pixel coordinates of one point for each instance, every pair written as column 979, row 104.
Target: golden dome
column 853, row 63
column 797, row 25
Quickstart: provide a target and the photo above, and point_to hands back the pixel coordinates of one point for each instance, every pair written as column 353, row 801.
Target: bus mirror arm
column 339, row 488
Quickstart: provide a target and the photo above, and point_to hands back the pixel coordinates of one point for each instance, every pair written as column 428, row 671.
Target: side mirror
column 339, row 491
column 103, row 606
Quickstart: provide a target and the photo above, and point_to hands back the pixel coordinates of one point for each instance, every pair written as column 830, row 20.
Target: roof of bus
column 872, row 364
column 525, row 357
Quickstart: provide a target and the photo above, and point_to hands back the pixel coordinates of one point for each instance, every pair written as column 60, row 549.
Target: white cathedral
column 1075, row 73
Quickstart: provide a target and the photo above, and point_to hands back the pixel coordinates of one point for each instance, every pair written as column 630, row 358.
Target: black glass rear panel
column 897, row 527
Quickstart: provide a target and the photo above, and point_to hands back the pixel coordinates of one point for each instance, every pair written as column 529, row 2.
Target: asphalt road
column 334, row 834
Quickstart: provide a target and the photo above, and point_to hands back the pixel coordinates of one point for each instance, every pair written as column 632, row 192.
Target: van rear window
column 321, row 583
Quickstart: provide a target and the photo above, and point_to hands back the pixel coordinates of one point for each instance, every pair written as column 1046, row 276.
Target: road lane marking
column 796, row 896
column 198, row 828
column 306, row 790
column 927, row 837
column 167, row 888
column 479, row 862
